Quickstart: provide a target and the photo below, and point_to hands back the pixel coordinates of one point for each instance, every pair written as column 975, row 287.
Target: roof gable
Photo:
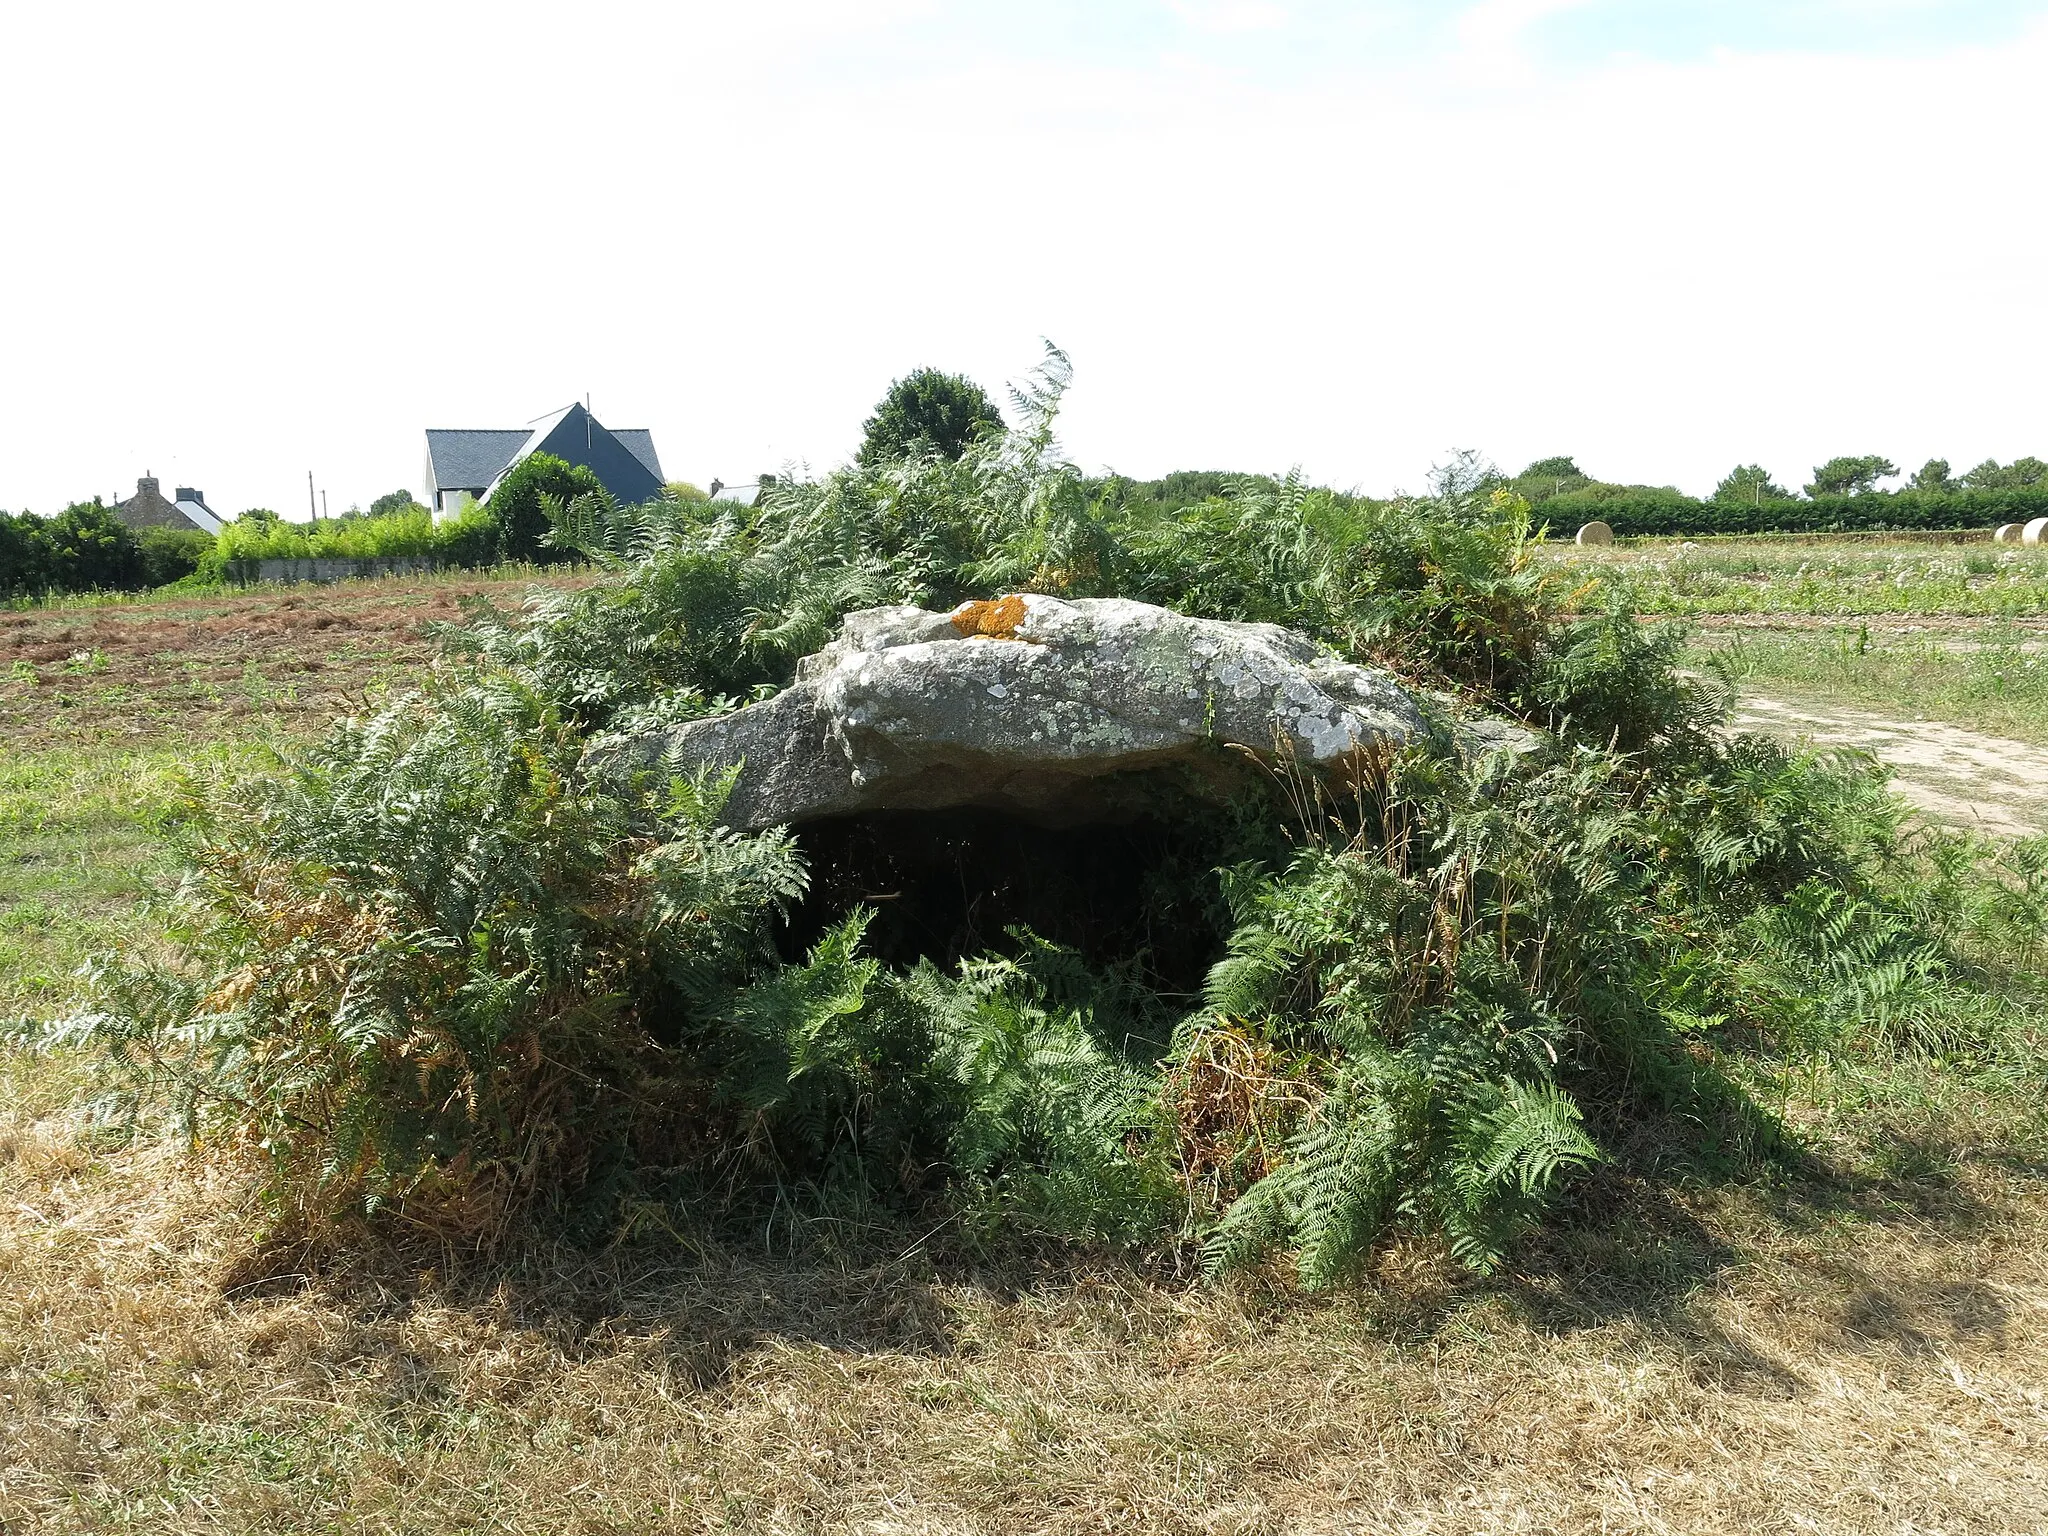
column 470, row 458
column 577, row 436
column 192, row 506
column 639, row 442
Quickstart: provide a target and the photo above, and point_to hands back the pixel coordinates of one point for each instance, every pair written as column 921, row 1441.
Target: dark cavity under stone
column 944, row 885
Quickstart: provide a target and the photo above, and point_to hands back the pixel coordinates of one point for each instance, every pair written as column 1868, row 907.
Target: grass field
column 1857, row 1342
column 1995, row 679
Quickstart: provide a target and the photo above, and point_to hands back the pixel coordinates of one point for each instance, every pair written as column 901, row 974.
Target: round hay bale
column 2008, row 533
column 2035, row 532
column 1595, row 533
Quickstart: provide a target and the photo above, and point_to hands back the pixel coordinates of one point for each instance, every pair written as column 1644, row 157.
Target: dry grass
column 1861, row 1351
column 1859, row 1347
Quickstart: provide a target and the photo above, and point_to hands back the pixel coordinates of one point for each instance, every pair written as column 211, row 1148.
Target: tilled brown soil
column 209, row 665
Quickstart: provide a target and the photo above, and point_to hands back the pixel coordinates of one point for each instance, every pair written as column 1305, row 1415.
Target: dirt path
column 1960, row 777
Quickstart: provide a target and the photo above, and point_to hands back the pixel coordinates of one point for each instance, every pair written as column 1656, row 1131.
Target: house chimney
column 146, row 486
column 186, row 493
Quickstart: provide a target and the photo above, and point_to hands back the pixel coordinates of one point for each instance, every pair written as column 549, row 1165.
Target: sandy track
column 1961, row 777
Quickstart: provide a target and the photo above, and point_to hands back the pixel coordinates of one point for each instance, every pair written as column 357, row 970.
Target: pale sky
column 245, row 241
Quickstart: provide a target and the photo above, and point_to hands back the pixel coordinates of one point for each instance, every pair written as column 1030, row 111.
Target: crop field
column 1855, row 1341
column 1725, row 578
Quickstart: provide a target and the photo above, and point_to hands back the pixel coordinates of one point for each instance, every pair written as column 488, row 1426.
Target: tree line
column 1843, row 495
column 87, row 548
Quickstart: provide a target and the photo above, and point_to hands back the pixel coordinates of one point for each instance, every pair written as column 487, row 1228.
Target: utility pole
column 312, row 506
column 323, row 504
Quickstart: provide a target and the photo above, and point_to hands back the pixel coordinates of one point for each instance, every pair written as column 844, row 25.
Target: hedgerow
column 439, row 976
column 468, row 539
column 1667, row 512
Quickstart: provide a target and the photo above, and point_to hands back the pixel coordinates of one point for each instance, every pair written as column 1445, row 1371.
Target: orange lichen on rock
column 993, row 619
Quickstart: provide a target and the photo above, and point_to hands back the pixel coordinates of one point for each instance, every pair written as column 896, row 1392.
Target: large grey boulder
column 1035, row 705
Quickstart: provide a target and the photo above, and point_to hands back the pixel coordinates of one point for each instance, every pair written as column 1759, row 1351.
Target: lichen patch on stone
column 992, row 619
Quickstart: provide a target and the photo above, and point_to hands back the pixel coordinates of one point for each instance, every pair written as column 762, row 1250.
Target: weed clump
column 438, row 977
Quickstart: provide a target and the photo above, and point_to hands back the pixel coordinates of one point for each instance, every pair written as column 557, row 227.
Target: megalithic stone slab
column 1042, row 707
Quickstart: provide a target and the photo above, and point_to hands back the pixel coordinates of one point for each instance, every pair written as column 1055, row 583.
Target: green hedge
column 1661, row 512
column 84, row 548
column 471, row 539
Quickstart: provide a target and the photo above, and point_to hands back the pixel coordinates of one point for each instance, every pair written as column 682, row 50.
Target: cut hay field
column 133, row 671
column 1856, row 1342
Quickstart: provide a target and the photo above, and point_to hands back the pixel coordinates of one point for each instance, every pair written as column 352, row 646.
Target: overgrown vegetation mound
column 436, row 975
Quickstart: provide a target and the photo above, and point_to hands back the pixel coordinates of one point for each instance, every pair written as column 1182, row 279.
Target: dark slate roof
column 577, row 436
column 470, row 458
column 639, row 442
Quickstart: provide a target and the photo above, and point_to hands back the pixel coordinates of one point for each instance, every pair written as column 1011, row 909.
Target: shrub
column 411, row 533
column 439, row 972
column 84, row 548
column 519, row 505
column 24, row 555
column 171, row 554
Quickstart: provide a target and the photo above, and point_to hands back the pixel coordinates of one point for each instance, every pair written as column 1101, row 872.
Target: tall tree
column 2016, row 476
column 1546, row 478
column 24, row 555
column 1933, row 477
column 928, row 411
column 393, row 501
column 92, row 550
column 1748, row 485
column 1850, row 476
